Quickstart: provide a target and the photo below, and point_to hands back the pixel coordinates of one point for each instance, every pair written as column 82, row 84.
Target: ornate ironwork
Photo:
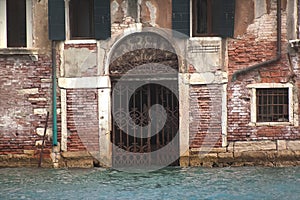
column 142, row 48
column 131, row 147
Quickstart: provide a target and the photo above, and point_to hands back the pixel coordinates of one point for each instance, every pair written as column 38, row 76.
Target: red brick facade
column 206, row 116
column 82, row 120
column 258, row 45
column 25, row 99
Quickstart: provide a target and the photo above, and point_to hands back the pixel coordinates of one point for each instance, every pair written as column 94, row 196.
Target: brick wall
column 205, row 114
column 25, row 98
column 82, row 119
column 257, row 45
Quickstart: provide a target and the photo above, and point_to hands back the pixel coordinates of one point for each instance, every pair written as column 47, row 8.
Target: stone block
column 29, row 91
column 285, row 155
column 76, row 154
column 40, row 131
column 227, row 155
column 37, row 99
column 281, row 145
column 29, row 152
column 78, row 61
column 208, row 164
column 230, row 147
column 218, row 150
column 285, row 163
column 40, row 111
column 293, row 145
column 202, row 78
column 208, row 150
column 184, row 161
column 251, row 156
column 246, row 146
column 38, row 143
column 297, row 155
column 208, row 156
column 271, row 155
column 195, row 161
column 80, row 163
column 198, row 162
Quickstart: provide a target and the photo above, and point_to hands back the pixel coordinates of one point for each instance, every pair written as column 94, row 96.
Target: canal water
column 169, row 183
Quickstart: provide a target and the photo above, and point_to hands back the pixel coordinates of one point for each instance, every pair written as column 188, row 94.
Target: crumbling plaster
column 40, row 26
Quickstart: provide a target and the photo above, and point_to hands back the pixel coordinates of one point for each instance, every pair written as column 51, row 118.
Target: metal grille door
column 141, row 138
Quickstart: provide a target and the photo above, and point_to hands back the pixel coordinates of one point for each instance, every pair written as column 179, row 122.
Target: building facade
column 225, row 74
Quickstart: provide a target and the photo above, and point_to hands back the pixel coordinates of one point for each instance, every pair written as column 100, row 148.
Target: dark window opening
column 16, row 23
column 82, row 19
column 272, row 105
column 213, row 18
column 203, row 17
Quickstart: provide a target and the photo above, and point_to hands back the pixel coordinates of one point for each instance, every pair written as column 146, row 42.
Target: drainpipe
column 54, row 111
column 278, row 56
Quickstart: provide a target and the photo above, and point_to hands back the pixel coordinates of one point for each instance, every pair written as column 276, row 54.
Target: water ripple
column 169, row 183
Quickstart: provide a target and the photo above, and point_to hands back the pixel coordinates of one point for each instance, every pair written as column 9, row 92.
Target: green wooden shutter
column 181, row 16
column 102, row 19
column 223, row 17
column 56, row 19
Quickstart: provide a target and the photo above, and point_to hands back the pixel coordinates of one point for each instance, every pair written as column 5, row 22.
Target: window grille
column 272, row 105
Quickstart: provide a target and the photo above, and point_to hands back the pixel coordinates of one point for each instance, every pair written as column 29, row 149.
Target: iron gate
column 134, row 146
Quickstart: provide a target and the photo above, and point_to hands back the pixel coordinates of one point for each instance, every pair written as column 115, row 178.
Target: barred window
column 272, row 104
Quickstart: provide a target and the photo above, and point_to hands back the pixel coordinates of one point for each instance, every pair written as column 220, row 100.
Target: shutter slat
column 102, row 19
column 181, row 16
column 56, row 18
column 223, row 18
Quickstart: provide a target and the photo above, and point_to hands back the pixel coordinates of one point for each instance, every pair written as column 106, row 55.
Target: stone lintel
column 84, row 82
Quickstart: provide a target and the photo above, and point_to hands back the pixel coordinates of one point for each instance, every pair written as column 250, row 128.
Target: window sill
column 19, row 51
column 91, row 41
column 208, row 38
column 31, row 52
column 270, row 124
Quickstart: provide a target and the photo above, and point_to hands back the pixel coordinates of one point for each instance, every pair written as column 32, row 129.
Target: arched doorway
column 144, row 73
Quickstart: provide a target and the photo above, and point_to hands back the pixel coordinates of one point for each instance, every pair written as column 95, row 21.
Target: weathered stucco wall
column 156, row 13
column 40, row 26
column 152, row 13
column 80, row 60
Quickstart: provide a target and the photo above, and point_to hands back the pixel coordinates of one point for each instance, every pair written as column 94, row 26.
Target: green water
column 169, row 183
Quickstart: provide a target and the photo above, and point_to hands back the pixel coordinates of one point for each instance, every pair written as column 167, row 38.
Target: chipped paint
column 114, row 7
column 152, row 10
